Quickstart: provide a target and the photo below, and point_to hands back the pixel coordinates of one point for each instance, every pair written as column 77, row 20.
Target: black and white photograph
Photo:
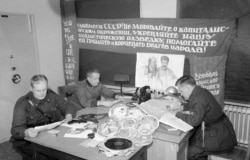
column 179, row 69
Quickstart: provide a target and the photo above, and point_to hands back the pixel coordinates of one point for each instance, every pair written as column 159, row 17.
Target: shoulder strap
column 39, row 110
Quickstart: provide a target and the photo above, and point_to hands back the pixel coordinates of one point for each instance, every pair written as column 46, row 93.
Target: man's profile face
column 153, row 63
column 39, row 89
column 184, row 90
column 94, row 79
column 164, row 63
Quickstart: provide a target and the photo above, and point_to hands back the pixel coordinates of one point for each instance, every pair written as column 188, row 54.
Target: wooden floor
column 7, row 153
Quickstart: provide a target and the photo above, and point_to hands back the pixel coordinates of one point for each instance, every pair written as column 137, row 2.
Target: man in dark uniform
column 213, row 131
column 89, row 91
column 40, row 106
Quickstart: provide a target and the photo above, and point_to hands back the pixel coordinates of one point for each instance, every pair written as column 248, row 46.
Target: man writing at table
column 213, row 131
column 38, row 107
column 89, row 91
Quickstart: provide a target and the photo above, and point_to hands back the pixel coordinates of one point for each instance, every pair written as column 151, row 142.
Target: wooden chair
column 248, row 149
column 238, row 153
column 68, row 92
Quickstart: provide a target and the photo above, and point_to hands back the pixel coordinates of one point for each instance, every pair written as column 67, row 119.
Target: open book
column 159, row 109
column 175, row 122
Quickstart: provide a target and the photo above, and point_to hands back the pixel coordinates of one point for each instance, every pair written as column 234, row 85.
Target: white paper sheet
column 157, row 107
column 175, row 122
column 77, row 133
column 77, row 125
column 48, row 126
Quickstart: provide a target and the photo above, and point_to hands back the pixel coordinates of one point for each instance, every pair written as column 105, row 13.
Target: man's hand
column 120, row 97
column 68, row 118
column 31, row 132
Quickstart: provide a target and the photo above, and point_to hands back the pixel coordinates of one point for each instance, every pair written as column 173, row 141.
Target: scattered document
column 78, row 125
column 77, row 133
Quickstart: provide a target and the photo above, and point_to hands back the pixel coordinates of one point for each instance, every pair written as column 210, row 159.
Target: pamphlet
column 78, row 133
column 48, row 126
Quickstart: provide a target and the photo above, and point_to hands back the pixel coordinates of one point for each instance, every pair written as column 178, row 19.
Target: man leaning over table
column 38, row 107
column 90, row 90
column 213, row 131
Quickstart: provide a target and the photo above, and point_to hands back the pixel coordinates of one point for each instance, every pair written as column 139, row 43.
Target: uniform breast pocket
column 31, row 119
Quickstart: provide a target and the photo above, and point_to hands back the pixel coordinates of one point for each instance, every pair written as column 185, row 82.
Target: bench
column 238, row 153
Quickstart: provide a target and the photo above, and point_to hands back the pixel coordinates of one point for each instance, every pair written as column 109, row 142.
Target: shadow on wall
column 55, row 6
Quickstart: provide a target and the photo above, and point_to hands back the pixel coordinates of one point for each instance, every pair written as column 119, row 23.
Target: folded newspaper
column 160, row 109
column 48, row 126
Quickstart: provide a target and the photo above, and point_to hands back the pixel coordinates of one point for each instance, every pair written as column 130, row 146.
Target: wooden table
column 70, row 149
column 172, row 145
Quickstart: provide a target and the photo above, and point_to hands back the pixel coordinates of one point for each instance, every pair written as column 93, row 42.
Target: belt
column 220, row 119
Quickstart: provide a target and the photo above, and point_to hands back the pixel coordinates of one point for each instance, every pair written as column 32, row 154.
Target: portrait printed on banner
column 159, row 71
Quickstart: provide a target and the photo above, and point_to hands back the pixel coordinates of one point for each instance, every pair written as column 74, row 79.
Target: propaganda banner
column 174, row 36
column 209, row 73
column 70, row 42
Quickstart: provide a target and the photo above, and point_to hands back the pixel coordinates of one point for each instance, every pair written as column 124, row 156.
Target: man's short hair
column 186, row 79
column 37, row 78
column 91, row 71
column 164, row 58
column 151, row 59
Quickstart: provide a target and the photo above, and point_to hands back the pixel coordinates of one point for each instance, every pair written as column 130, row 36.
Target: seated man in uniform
column 40, row 106
column 213, row 131
column 89, row 91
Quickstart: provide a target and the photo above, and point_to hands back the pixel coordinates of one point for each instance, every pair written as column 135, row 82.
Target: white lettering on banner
column 155, row 45
column 198, row 36
column 67, row 23
column 208, row 80
column 205, row 43
column 66, row 30
column 189, row 49
column 68, row 38
column 69, row 60
column 70, row 65
column 69, row 72
column 117, row 26
column 186, row 39
column 203, row 29
column 69, row 52
column 93, row 26
column 155, row 34
column 129, row 44
column 205, row 75
column 152, row 27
